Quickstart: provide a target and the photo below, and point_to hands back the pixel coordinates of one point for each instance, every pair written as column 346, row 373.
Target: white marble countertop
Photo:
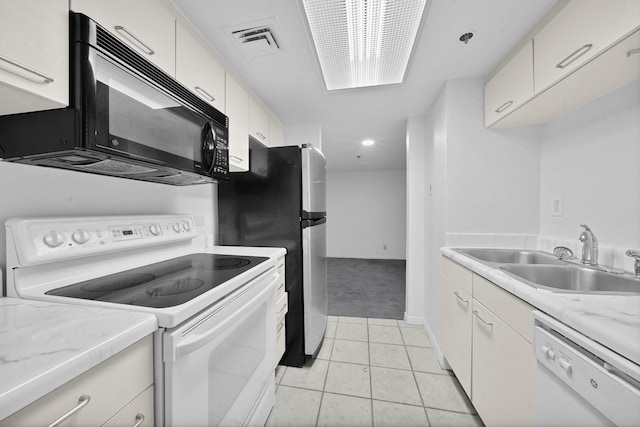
column 611, row 320
column 45, row 345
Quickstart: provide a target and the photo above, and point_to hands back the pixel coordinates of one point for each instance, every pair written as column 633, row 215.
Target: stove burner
column 174, row 287
column 108, row 284
column 229, row 263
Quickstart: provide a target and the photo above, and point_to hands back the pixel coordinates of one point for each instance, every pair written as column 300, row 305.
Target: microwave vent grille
column 115, row 48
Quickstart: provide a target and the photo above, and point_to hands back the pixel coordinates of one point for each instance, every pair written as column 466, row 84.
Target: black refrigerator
column 281, row 202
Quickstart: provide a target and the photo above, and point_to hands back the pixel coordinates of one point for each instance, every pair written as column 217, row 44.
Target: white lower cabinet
column 282, row 306
column 503, row 371
column 114, row 392
column 456, row 321
column 486, row 339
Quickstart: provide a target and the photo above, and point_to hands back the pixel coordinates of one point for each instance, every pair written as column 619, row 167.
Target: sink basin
column 510, row 256
column 572, row 278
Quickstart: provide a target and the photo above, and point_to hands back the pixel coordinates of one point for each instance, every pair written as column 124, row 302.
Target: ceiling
column 291, row 86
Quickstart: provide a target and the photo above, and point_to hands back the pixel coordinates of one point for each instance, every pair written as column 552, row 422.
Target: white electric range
column 214, row 353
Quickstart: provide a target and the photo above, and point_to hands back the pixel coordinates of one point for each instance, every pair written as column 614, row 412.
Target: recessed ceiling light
column 367, row 142
column 363, row 43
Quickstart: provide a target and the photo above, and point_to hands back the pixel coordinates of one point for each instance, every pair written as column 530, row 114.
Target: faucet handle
column 633, row 254
column 562, row 252
column 586, row 227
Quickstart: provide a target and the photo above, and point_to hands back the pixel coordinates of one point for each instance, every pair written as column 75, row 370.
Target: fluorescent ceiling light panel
column 363, row 43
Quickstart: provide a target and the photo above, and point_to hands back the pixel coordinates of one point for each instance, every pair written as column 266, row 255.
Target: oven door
column 219, row 366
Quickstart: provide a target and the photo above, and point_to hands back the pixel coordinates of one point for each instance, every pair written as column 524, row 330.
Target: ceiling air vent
column 258, row 38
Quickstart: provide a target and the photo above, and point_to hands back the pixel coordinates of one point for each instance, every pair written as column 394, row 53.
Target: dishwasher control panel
column 599, row 382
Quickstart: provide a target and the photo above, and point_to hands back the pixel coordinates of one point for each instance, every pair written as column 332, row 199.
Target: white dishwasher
column 581, row 382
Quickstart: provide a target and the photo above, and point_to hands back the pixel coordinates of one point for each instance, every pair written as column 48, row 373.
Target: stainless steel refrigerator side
column 314, row 248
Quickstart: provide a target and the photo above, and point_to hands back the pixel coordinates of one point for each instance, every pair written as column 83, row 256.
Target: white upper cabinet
column 580, row 31
column 34, row 55
column 144, row 25
column 276, row 132
column 258, row 122
column 198, row 70
column 510, row 87
column 238, row 113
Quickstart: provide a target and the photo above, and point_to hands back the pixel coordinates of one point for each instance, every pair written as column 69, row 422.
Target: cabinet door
column 138, row 413
column 581, row 30
column 144, row 25
column 503, row 380
column 258, row 122
column 276, row 133
column 456, row 331
column 34, row 55
column 109, row 387
column 238, row 113
column 510, row 87
column 198, row 70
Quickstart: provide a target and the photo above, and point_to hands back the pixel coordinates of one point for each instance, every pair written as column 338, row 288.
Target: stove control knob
column 53, row 239
column 80, row 236
column 155, row 229
column 176, row 227
column 187, row 226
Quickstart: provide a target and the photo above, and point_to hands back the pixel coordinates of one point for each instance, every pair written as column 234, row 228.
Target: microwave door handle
column 196, row 341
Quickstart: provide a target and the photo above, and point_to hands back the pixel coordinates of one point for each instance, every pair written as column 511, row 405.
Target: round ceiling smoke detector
column 466, row 37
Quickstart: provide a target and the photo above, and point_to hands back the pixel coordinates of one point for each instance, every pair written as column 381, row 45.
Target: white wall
column 591, row 159
column 416, row 249
column 308, row 133
column 365, row 211
column 478, row 181
column 39, row 191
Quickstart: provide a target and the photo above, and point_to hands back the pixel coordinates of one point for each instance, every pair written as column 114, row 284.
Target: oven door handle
column 193, row 341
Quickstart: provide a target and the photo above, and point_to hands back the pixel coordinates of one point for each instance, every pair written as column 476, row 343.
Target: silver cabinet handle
column 82, row 402
column 204, row 93
column 575, row 55
column 632, row 52
column 139, row 420
column 238, row 159
column 475, row 313
column 503, row 107
column 133, row 39
column 460, row 298
column 44, row 77
column 260, row 135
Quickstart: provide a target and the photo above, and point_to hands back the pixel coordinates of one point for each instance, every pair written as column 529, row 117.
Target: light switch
column 556, row 206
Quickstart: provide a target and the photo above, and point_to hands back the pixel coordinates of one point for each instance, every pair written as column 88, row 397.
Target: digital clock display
column 127, row 232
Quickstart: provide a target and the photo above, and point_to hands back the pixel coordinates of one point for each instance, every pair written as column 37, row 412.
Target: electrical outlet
column 556, row 206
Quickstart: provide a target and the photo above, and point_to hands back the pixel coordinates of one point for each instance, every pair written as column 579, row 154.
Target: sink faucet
column 589, row 246
column 636, row 255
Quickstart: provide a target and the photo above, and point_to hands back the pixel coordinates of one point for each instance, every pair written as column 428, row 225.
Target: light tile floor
column 371, row 372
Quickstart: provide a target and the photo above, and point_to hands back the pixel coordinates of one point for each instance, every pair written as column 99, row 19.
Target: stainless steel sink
column 573, row 278
column 510, row 256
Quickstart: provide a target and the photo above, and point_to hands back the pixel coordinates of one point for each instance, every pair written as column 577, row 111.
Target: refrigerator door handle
column 312, row 215
column 312, row 222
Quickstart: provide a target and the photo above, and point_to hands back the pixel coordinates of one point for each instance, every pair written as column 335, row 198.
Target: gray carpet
column 366, row 287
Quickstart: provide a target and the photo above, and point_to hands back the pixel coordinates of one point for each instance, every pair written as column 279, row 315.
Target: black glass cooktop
column 163, row 284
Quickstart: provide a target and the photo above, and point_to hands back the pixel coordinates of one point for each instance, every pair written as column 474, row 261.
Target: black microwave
column 127, row 118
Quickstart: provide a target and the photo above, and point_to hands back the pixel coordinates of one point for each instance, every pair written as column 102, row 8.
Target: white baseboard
column 416, row 320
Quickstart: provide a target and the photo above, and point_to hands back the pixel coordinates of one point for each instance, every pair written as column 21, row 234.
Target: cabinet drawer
column 456, row 330
column 457, row 274
column 110, row 386
column 511, row 309
column 580, row 31
column 503, row 382
column 280, row 288
column 281, row 345
column 140, row 410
